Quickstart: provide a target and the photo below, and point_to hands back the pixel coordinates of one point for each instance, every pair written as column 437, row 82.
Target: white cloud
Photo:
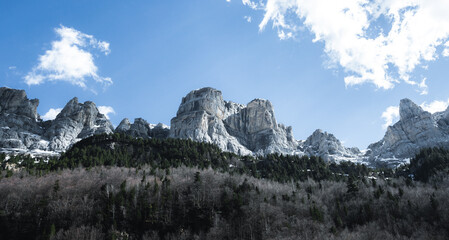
column 435, row 106
column 446, row 49
column 390, row 115
column 254, row 5
column 423, row 86
column 12, row 67
column 375, row 41
column 248, row 18
column 106, row 110
column 51, row 114
column 228, row 0
column 69, row 60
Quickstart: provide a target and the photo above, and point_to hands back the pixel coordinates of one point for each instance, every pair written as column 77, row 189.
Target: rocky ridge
column 249, row 129
column 203, row 115
column 416, row 129
column 329, row 147
column 143, row 129
column 23, row 131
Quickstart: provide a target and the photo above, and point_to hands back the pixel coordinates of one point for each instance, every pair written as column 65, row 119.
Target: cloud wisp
column 374, row 41
column 106, row 110
column 435, row 106
column 51, row 114
column 70, row 60
column 390, row 115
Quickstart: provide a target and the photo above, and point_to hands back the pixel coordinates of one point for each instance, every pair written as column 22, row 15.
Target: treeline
column 429, row 165
column 125, row 151
column 119, row 187
column 191, row 203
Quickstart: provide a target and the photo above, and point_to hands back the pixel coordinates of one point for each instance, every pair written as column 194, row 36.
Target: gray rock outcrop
column 75, row 122
column 256, row 128
column 329, row 147
column 19, row 125
column 143, row 129
column 247, row 129
column 201, row 116
column 23, row 131
column 416, row 129
column 16, row 102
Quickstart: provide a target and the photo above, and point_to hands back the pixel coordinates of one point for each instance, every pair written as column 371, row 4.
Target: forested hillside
column 118, row 187
column 125, row 151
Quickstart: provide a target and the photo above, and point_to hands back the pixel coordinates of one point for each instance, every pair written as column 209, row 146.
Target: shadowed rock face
column 203, row 115
column 255, row 126
column 416, row 129
column 200, row 117
column 248, row 129
column 252, row 129
column 19, row 128
column 16, row 102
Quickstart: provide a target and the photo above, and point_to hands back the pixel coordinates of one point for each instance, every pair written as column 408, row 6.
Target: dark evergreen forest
column 119, row 187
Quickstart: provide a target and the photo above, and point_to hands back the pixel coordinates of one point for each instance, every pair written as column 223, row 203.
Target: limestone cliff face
column 201, row 116
column 19, row 128
column 22, row 129
column 248, row 129
column 256, row 128
column 16, row 102
column 75, row 122
column 416, row 129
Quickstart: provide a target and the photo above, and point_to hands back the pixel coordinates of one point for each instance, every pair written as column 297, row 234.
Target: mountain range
column 203, row 115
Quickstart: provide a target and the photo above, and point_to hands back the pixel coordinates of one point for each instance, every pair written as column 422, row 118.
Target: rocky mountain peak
column 320, row 139
column 206, row 99
column 416, row 129
column 203, row 115
column 21, row 130
column 141, row 128
column 319, row 134
column 16, row 102
column 258, row 116
column 86, row 113
column 76, row 121
column 408, row 109
column 124, row 125
column 326, row 145
column 245, row 129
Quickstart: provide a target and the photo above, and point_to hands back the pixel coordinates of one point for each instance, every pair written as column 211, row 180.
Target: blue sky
column 160, row 50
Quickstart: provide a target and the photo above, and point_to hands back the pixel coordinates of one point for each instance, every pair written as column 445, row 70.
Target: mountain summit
column 23, row 131
column 244, row 129
column 416, row 129
column 249, row 129
column 204, row 116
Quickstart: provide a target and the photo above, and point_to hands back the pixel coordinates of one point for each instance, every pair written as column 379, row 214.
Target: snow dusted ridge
column 248, row 129
column 23, row 131
column 416, row 129
column 143, row 129
column 252, row 129
column 203, row 115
